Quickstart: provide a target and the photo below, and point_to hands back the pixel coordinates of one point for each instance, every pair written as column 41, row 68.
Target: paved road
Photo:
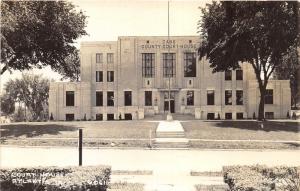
column 169, row 166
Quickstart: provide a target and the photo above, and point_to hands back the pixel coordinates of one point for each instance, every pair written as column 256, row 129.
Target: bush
column 262, row 178
column 54, row 178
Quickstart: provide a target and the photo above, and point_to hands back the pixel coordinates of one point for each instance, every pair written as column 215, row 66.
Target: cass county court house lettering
column 129, row 79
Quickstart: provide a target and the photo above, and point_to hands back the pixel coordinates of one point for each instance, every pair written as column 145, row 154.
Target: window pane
column 110, row 57
column 99, row 76
column 239, row 74
column 70, row 98
column 228, row 75
column 148, row 65
column 127, row 95
column 110, row 98
column 210, row 97
column 189, row 65
column 148, row 98
column 99, row 57
column 99, row 98
column 169, row 61
column 110, row 76
column 190, row 98
column 239, row 97
column 269, row 96
column 228, row 97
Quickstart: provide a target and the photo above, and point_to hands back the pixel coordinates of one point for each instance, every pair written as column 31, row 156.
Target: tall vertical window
column 148, row 62
column 269, row 96
column 148, row 98
column 169, row 63
column 110, row 76
column 239, row 74
column 99, row 98
column 99, row 76
column 70, row 98
column 99, row 58
column 228, row 97
column 210, row 97
column 110, row 58
column 110, row 98
column 189, row 65
column 239, row 97
column 128, row 98
column 228, row 75
column 190, row 98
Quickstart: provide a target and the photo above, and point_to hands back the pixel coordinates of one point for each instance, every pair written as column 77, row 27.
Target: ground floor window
column 99, row 98
column 210, row 97
column 228, row 97
column 110, row 116
column 148, row 98
column 70, row 117
column 239, row 116
column 190, row 98
column 210, row 116
column 110, row 98
column 99, row 117
column 128, row 116
column 269, row 115
column 228, row 115
column 127, row 98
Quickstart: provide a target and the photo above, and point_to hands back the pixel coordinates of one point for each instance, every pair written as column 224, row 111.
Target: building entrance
column 172, row 102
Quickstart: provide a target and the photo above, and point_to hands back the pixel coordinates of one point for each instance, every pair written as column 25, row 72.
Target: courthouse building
column 129, row 79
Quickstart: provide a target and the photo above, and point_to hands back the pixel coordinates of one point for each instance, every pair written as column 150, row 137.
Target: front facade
column 131, row 78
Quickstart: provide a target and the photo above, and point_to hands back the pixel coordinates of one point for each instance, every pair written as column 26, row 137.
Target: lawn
column 242, row 130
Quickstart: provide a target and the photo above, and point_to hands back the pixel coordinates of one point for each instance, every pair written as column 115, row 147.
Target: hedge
column 55, row 178
column 262, row 178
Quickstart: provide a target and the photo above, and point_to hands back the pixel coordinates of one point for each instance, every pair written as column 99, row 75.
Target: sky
column 108, row 19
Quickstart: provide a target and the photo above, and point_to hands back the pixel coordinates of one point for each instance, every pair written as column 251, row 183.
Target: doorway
column 172, row 102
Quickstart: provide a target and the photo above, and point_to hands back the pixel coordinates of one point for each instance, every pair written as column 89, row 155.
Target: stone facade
column 128, row 59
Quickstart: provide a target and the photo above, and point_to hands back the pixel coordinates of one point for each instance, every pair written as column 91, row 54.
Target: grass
column 200, row 187
column 242, row 130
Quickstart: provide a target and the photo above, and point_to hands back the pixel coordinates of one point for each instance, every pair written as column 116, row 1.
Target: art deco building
column 129, row 79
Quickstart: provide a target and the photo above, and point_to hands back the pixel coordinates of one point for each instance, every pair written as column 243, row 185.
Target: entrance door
column 172, row 102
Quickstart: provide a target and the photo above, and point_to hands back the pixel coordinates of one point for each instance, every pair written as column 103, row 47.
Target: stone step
column 170, row 145
column 170, row 134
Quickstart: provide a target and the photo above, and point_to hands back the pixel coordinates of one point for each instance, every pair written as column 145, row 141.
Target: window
column 148, row 98
column 190, row 98
column 228, row 75
column 239, row 74
column 239, row 116
column 110, row 58
column 269, row 96
column 128, row 116
column 210, row 97
column 110, row 98
column 189, row 65
column 99, row 58
column 70, row 117
column 210, row 116
column 70, row 98
column 99, row 98
column 269, row 115
column 239, row 97
column 228, row 115
column 110, row 76
column 228, row 97
column 127, row 96
column 169, row 65
column 99, row 117
column 99, row 76
column 110, row 116
column 148, row 65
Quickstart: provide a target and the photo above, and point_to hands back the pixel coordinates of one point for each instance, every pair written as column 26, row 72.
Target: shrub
column 257, row 178
column 54, row 178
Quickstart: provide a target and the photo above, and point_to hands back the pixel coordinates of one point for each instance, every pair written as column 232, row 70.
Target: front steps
column 170, row 134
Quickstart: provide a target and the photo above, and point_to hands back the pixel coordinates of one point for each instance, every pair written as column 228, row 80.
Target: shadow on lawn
column 255, row 125
column 33, row 130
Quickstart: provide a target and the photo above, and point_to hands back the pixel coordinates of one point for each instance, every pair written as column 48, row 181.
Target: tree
column 7, row 105
column 254, row 32
column 32, row 90
column 38, row 34
column 72, row 69
column 287, row 70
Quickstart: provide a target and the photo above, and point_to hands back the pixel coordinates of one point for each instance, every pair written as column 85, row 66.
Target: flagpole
column 169, row 116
